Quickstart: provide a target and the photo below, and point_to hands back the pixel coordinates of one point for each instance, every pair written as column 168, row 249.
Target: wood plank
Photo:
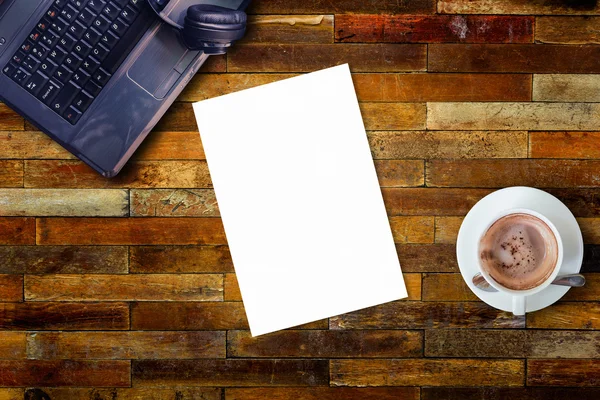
column 326, row 344
column 140, row 287
column 580, row 145
column 188, row 316
column 125, row 345
column 11, row 173
column 214, row 64
column 427, row 257
column 513, row 393
column 567, row 87
column 351, row 28
column 427, row 315
column 523, row 172
column 582, row 202
column 590, row 228
column 13, row 346
column 171, row 259
column 30, row 145
column 394, row 116
column 342, row 6
column 289, row 29
column 64, row 316
column 10, row 120
column 232, row 289
column 179, row 117
column 65, row 373
column 589, row 292
column 400, row 173
column 431, row 201
column 447, row 372
column 172, row 145
column 567, row 30
column 64, row 202
column 322, row 393
column 412, row 229
column 563, row 373
column 136, row 174
column 230, row 372
column 206, row 86
column 173, row 203
column 563, row 344
column 566, row 316
column 311, row 57
column 179, row 393
column 11, row 289
column 448, row 144
column 11, row 394
column 446, row 287
column 531, row 58
column 517, row 7
column 591, row 258
column 135, row 231
column 17, row 231
column 63, row 259
column 513, row 116
column 446, row 229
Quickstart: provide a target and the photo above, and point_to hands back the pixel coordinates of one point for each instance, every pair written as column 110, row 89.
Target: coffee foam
column 519, row 251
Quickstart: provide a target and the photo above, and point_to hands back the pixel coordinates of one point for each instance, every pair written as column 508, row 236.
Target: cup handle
column 518, row 305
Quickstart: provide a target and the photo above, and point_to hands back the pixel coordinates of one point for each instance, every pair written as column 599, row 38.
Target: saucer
column 519, row 197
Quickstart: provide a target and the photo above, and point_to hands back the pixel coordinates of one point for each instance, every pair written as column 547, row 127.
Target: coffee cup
column 519, row 253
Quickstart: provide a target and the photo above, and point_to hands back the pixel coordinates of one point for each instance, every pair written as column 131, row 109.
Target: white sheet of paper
column 299, row 199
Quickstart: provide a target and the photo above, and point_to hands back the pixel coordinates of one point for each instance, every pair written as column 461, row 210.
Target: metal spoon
column 573, row 280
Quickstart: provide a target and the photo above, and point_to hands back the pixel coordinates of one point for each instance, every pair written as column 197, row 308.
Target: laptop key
column 52, row 12
column 92, row 36
column 68, row 13
column 19, row 57
column 136, row 3
column 90, row 65
column 36, row 83
column 101, row 24
column 58, row 26
column 109, row 40
column 92, row 88
column 26, row 47
column 9, row 69
column 96, row 5
column 49, row 92
column 101, row 77
column 78, row 4
column 129, row 14
column 82, row 101
column 121, row 3
column 72, row 115
column 80, row 78
column 82, row 49
column 49, row 39
column 43, row 24
column 72, row 61
column 67, row 42
column 62, row 74
column 60, row 3
column 20, row 76
column 77, row 30
column 48, row 67
column 64, row 98
column 39, row 51
column 99, row 52
column 87, row 16
column 30, row 63
column 57, row 55
column 111, row 11
column 35, row 36
column 119, row 27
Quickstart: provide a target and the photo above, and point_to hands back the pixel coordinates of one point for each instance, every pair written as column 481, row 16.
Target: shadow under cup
column 519, row 251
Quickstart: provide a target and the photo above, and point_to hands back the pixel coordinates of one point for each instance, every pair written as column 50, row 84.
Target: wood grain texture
column 350, row 28
column 427, row 315
column 431, row 201
column 173, row 203
column 448, row 372
column 326, row 344
column 63, row 259
column 179, row 393
column 540, row 7
column 531, row 58
column 582, row 145
column 514, row 393
column 11, row 173
column 125, row 345
column 136, row 174
column 11, row 288
column 17, row 231
column 448, row 144
column 583, row 202
column 427, row 257
column 446, row 287
column 321, row 393
column 589, row 292
column 230, row 372
column 513, row 116
column 590, row 229
column 412, row 229
column 141, row 287
column 521, row 172
column 64, row 202
column 342, row 6
column 65, row 373
column 136, row 231
column 311, row 57
column 563, row 373
column 188, row 316
column 289, row 29
column 172, row 145
column 446, row 229
column 566, row 88
column 10, row 120
column 180, row 259
column 31, row 145
column 13, row 346
column 568, row 30
column 11, row 394
column 400, row 173
column 566, row 316
column 64, row 316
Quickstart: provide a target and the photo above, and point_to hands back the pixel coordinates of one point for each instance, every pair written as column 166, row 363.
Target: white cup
column 519, row 297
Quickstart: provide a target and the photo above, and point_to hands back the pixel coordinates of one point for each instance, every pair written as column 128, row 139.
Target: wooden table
column 124, row 288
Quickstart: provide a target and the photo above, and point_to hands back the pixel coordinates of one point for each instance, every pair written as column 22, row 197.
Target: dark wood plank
column 581, row 202
column 411, row 372
column 591, row 258
column 180, row 259
column 351, row 28
column 63, row 259
column 470, row 343
column 311, row 57
column 326, row 344
column 320, row 393
column 431, row 201
column 64, row 316
column 342, row 6
column 125, row 345
column 13, row 346
column 65, row 373
column 563, row 373
column 498, row 393
column 230, row 372
column 188, row 316
column 11, row 288
column 589, row 292
column 427, row 257
column 137, row 231
column 178, row 393
column 427, row 315
column 532, row 58
column 17, row 231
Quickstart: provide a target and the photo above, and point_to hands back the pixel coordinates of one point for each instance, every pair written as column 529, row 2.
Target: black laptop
column 95, row 75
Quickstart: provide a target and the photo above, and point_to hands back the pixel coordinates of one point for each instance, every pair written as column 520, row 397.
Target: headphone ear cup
column 213, row 29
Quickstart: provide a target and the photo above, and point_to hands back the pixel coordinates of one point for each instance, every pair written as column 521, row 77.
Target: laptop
column 95, row 75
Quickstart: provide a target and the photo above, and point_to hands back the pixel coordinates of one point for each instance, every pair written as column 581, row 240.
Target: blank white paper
column 299, row 199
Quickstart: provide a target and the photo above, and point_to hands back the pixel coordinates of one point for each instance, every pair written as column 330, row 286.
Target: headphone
column 209, row 28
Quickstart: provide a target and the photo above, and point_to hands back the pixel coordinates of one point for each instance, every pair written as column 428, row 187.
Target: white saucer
column 519, row 197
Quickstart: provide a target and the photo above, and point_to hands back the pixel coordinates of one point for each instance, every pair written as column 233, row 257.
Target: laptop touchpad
column 154, row 69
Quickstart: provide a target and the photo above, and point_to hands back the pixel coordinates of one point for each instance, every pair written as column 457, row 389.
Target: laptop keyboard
column 74, row 50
